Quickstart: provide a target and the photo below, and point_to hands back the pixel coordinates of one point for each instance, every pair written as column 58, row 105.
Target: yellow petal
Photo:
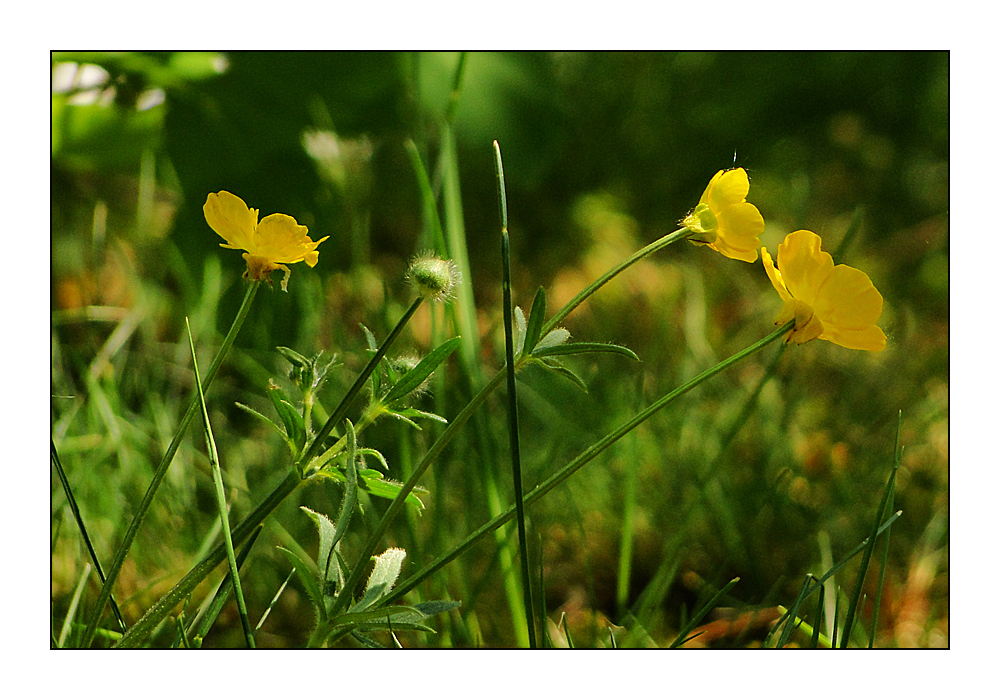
column 727, row 188
column 711, row 185
column 848, row 299
column 737, row 252
column 229, row 216
column 740, row 225
column 775, row 276
column 871, row 338
column 804, row 266
column 281, row 239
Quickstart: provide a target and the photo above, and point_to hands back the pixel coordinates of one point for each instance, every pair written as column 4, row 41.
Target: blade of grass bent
column 161, row 470
column 57, row 463
column 220, row 497
column 515, row 446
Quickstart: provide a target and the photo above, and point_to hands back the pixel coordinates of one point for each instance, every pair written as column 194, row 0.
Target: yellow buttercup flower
column 836, row 303
column 724, row 220
column 278, row 240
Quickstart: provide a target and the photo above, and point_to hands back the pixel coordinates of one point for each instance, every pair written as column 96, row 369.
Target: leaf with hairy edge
column 415, row 377
column 383, row 577
column 579, row 348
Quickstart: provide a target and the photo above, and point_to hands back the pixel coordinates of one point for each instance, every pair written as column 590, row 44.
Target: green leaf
column 383, row 577
column 295, row 426
column 580, row 348
column 373, row 348
column 308, row 577
column 295, row 358
column 415, row 377
column 417, row 413
column 328, row 569
column 557, row 336
column 559, row 368
column 386, row 488
column 535, row 321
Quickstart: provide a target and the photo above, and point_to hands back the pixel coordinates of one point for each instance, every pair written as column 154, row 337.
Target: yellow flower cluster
column 831, row 302
column 272, row 244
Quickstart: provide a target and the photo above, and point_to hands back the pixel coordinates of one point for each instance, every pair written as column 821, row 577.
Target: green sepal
column 416, row 376
column 580, row 348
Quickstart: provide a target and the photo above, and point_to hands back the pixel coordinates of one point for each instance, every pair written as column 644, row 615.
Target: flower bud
column 433, row 277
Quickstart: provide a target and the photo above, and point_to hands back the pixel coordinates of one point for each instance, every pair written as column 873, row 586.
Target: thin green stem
column 161, row 470
column 515, row 444
column 585, row 457
column 220, row 497
column 656, row 245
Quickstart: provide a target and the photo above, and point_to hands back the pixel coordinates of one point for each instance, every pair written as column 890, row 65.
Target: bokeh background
column 603, row 153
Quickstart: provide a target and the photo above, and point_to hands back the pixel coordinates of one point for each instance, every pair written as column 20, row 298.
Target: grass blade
column 682, row 636
column 57, row 463
column 515, row 443
column 73, row 605
column 220, row 496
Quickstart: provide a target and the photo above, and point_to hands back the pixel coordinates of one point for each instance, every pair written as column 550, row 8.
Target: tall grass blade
column 220, row 497
column 64, row 480
column 515, row 441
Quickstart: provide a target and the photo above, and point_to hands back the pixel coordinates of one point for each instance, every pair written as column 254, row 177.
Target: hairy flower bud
column 433, row 277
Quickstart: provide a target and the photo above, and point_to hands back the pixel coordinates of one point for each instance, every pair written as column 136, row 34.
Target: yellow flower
column 277, row 239
column 724, row 220
column 835, row 303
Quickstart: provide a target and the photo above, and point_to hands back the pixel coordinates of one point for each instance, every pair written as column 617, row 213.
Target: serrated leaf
column 416, row 376
column 383, row 577
column 308, row 577
column 559, row 368
column 580, row 348
column 536, row 319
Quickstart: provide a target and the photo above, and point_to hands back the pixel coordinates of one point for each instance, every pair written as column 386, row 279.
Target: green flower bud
column 433, row 277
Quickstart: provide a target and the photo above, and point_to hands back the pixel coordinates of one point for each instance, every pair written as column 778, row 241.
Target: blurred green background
column 603, row 153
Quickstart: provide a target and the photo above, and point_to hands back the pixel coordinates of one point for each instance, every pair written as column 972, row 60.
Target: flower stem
column 584, row 457
column 656, row 245
column 161, row 470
